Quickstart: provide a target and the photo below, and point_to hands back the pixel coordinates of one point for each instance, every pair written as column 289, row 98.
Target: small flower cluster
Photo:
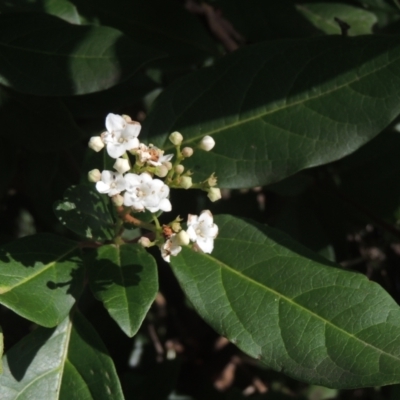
column 133, row 188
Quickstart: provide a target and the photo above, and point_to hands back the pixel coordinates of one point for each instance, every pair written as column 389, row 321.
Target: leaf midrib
column 293, row 303
column 37, row 273
column 286, row 106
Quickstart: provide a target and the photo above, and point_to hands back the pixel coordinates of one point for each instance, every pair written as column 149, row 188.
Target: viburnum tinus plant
column 122, row 276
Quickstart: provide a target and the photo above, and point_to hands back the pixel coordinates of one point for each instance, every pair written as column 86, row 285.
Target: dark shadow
column 287, row 242
column 104, row 273
column 42, row 249
column 21, row 355
column 86, row 212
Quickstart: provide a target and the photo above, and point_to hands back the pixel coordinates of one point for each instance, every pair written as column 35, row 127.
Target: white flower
column 144, row 192
column 96, row 143
column 122, row 165
column 171, row 247
column 121, row 135
column 202, row 230
column 207, row 143
column 111, row 183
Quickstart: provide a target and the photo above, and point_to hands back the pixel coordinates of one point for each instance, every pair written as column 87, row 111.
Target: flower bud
column 176, row 226
column 94, row 175
column 96, row 143
column 214, row 194
column 144, row 241
column 179, row 169
column 176, row 138
column 127, row 118
column 212, row 180
column 186, row 182
column 187, row 152
column 207, row 143
column 117, row 200
column 161, row 171
column 182, row 238
column 121, row 165
column 167, row 164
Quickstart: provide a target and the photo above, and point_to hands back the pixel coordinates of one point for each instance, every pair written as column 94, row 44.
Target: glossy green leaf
column 59, row 8
column 322, row 16
column 41, row 276
column 86, row 212
column 45, row 55
column 279, row 107
column 125, row 279
column 69, row 362
column 292, row 309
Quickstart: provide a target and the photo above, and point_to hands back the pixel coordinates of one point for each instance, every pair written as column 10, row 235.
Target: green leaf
column 292, row 309
column 69, row 362
column 41, row 277
column 85, row 212
column 1, row 349
column 44, row 55
column 279, row 107
column 322, row 16
column 125, row 279
column 59, row 8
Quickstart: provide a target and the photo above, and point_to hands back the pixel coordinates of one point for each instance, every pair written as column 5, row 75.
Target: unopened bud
column 117, row 200
column 179, row 169
column 187, row 152
column 214, row 194
column 186, row 182
column 207, row 143
column 121, row 165
column 182, row 238
column 161, row 171
column 176, row 226
column 127, row 118
column 144, row 241
column 176, row 138
column 94, row 175
column 96, row 143
column 167, row 164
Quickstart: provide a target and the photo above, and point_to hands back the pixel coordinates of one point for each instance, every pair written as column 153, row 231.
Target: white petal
column 131, row 144
column 102, row 187
column 165, row 205
column 205, row 244
column 131, row 130
column 114, row 122
column 107, row 176
column 115, row 150
column 191, row 233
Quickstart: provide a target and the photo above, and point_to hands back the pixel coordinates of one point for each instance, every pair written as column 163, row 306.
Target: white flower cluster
column 141, row 191
column 135, row 188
